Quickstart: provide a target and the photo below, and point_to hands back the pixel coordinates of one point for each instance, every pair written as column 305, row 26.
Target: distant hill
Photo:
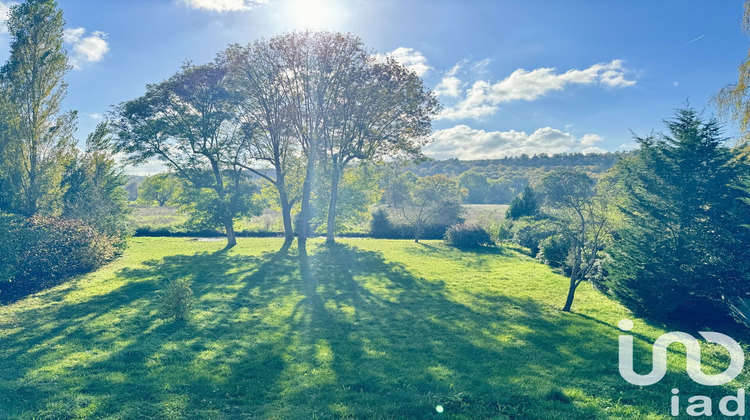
column 594, row 162
column 506, row 177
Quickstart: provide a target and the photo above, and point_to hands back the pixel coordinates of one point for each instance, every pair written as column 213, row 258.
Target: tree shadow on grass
column 117, row 351
column 327, row 332
column 394, row 345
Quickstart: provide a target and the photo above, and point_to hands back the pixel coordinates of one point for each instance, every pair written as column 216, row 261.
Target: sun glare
column 315, row 14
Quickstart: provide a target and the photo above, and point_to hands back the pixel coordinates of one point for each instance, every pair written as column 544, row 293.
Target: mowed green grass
column 364, row 329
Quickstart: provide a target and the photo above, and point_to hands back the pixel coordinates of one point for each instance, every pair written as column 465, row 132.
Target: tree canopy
column 680, row 246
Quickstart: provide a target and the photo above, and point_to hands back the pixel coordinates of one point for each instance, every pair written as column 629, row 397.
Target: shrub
column 504, row 232
column 523, row 205
column 554, row 250
column 382, row 227
column 466, row 236
column 529, row 234
column 8, row 248
column 495, row 224
column 177, row 299
column 41, row 252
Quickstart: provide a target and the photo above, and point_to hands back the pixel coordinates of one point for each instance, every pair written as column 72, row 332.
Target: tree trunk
column 286, row 211
column 228, row 222
column 331, row 227
column 31, row 193
column 575, row 274
column 304, row 215
column 286, row 216
column 231, row 238
column 571, row 295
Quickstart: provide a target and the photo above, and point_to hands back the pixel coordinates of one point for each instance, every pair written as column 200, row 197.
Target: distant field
column 475, row 212
column 270, row 220
column 156, row 216
column 170, row 217
column 371, row 329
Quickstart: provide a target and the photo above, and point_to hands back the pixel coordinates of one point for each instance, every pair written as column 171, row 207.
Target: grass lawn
column 364, row 329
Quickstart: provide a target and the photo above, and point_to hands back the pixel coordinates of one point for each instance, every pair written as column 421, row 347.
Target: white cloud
column 483, row 98
column 85, row 49
column 449, row 86
column 480, row 67
column 73, row 35
column 590, row 139
column 464, row 142
column 410, row 58
column 224, row 5
column 4, row 12
column 94, row 116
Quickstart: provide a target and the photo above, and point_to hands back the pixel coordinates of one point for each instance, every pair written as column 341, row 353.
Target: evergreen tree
column 681, row 251
column 524, row 204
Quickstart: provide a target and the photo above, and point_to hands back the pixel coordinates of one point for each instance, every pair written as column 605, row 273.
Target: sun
column 315, row 14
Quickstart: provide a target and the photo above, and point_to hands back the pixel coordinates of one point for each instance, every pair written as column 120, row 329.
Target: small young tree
column 160, row 189
column 579, row 215
column 429, row 200
column 206, row 210
column 94, row 187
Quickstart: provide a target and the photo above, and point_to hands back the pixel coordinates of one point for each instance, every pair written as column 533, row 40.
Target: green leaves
column 37, row 137
column 681, row 251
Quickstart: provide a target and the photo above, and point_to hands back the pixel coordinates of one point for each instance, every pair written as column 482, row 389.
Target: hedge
column 41, row 252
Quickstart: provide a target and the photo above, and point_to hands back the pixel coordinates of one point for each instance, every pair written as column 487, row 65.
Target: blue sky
column 513, row 76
